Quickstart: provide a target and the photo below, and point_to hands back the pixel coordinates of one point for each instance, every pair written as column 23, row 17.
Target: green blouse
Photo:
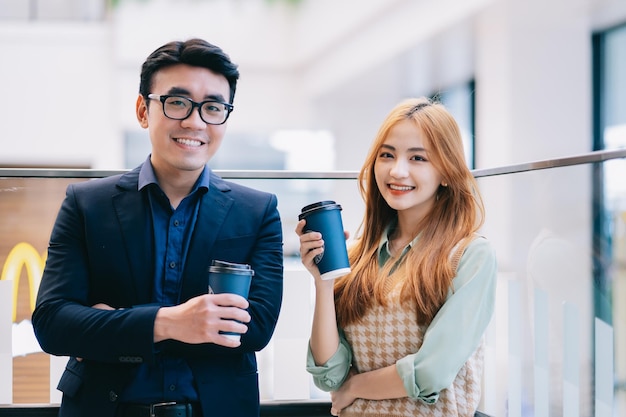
column 451, row 338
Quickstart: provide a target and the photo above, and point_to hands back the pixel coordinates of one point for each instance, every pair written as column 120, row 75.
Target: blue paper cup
column 229, row 277
column 325, row 217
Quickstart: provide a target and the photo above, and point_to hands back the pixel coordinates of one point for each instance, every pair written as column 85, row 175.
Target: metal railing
column 587, row 158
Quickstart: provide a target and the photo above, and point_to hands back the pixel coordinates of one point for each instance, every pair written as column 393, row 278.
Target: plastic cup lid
column 230, row 267
column 320, row 205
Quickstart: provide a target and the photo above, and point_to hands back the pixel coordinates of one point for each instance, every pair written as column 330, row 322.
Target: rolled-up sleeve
column 330, row 375
column 457, row 329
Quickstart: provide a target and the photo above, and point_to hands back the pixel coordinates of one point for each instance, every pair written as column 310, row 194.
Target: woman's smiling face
column 406, row 178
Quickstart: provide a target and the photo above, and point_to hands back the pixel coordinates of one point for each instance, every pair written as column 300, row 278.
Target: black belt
column 166, row 409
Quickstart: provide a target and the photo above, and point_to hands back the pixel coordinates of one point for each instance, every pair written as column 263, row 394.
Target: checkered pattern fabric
column 387, row 334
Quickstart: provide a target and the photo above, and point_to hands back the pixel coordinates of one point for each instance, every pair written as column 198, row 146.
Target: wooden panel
column 28, row 209
column 31, row 379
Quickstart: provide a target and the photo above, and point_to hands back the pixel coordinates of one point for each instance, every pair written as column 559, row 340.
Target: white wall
column 296, row 64
column 56, row 106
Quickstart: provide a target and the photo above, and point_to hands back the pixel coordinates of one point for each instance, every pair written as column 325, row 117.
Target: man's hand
column 200, row 319
column 102, row 306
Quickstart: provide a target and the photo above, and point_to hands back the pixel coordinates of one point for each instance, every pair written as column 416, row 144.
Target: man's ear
column 141, row 110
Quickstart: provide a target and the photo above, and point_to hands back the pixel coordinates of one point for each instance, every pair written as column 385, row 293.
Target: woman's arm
column 380, row 384
column 457, row 329
column 324, row 335
column 450, row 340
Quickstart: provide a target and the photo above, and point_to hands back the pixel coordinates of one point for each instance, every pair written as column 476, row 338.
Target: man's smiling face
column 183, row 145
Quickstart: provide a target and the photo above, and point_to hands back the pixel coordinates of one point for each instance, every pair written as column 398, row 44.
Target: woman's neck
column 397, row 241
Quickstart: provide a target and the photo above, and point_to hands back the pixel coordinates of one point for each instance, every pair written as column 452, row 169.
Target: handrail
column 228, row 174
column 590, row 157
column 587, row 158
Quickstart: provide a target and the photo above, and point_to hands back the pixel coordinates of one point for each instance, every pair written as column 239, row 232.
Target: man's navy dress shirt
column 170, row 378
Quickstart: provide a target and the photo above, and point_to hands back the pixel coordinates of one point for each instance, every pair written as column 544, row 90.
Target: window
column 460, row 101
column 609, row 203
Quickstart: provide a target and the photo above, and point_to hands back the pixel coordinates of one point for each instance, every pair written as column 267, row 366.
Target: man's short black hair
column 195, row 52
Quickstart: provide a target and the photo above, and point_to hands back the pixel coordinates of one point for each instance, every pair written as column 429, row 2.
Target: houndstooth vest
column 387, row 334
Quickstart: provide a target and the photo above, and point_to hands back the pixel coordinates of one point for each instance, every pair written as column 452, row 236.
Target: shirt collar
column 383, row 246
column 147, row 177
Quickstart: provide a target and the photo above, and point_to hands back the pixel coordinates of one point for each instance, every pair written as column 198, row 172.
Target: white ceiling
column 312, row 37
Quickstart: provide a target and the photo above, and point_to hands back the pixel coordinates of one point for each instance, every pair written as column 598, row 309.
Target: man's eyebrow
column 179, row 90
column 185, row 92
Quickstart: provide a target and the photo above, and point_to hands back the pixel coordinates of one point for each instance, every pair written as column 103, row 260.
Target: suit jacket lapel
column 133, row 213
column 214, row 207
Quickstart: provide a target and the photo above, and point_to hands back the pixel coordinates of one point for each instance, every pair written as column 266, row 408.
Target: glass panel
column 541, row 227
column 540, row 223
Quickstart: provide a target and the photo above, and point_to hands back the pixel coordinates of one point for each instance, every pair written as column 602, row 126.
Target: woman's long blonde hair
column 456, row 215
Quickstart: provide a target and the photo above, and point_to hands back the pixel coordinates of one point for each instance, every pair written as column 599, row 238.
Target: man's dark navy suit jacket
column 101, row 251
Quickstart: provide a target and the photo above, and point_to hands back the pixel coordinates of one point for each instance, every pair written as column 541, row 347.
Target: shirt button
column 172, row 387
column 176, row 222
column 172, row 264
column 112, row 396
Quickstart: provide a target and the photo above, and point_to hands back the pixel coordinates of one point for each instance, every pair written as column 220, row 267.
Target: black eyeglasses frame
column 194, row 104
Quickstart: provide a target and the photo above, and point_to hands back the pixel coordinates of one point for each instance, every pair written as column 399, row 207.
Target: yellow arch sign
column 24, row 255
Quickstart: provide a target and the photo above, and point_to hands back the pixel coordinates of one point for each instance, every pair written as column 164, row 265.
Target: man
column 125, row 288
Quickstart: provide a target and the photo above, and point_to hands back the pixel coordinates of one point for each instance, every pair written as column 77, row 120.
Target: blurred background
column 528, row 80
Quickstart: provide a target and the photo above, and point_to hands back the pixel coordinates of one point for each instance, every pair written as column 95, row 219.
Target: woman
column 401, row 335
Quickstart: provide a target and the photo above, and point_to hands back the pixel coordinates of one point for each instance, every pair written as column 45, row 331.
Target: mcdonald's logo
column 24, row 255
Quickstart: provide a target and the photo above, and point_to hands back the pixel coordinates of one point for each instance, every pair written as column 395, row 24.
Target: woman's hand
column 379, row 384
column 311, row 245
column 342, row 397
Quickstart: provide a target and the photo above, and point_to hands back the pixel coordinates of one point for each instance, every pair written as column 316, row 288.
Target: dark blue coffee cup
column 229, row 277
column 325, row 217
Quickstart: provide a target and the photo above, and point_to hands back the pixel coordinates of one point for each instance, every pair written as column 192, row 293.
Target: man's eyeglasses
column 180, row 108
